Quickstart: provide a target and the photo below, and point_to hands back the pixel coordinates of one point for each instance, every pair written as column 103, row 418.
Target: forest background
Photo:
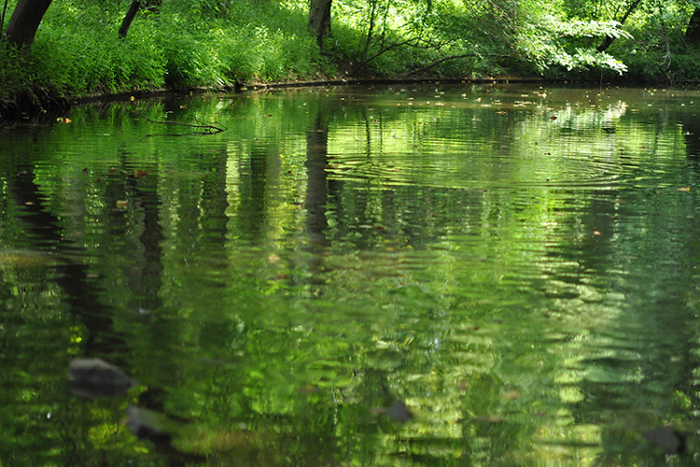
column 83, row 47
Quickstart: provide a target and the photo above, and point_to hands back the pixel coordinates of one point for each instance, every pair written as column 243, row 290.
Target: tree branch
column 607, row 42
column 384, row 50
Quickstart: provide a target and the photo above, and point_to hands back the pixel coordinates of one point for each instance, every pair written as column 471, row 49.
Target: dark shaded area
column 692, row 33
column 252, row 209
column 138, row 188
column 33, row 103
column 670, row 440
column 317, row 185
column 81, row 293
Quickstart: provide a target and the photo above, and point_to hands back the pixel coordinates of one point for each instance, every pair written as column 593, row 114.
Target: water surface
column 517, row 265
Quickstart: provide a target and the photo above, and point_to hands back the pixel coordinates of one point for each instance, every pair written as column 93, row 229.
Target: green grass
column 77, row 51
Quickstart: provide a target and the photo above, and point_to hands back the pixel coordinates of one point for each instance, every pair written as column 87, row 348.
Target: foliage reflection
column 394, row 276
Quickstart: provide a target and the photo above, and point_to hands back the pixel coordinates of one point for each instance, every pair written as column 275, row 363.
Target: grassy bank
column 215, row 43
column 77, row 49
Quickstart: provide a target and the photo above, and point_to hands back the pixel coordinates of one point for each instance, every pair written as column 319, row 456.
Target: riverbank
column 36, row 103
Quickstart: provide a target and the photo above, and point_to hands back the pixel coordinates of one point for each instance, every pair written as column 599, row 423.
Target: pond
column 407, row 275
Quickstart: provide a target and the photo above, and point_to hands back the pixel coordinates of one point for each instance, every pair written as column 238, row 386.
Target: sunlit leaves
column 587, row 28
column 554, row 42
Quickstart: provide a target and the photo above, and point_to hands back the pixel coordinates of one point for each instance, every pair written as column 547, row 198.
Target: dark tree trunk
column 320, row 19
column 24, row 21
column 136, row 6
column 692, row 34
column 608, row 39
column 130, row 15
column 317, row 180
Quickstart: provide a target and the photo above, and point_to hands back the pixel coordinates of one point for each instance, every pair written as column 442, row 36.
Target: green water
column 518, row 265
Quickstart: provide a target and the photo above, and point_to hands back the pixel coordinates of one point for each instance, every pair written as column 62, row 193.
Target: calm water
column 517, row 265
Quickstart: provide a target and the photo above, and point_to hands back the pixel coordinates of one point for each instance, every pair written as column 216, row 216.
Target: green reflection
column 515, row 264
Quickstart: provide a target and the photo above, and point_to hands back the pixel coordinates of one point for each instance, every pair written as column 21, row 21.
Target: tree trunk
column 692, row 34
column 320, row 19
column 608, row 39
column 130, row 15
column 24, row 22
column 136, row 6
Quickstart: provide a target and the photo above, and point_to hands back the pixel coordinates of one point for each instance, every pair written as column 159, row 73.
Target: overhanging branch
column 382, row 51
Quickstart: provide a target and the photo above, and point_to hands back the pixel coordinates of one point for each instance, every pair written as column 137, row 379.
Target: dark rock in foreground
column 93, row 378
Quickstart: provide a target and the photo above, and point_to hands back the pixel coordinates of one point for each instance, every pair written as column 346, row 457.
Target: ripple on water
column 464, row 171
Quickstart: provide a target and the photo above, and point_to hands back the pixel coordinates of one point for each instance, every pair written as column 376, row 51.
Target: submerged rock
column 148, row 424
column 93, row 378
column 162, row 430
column 672, row 441
column 398, row 412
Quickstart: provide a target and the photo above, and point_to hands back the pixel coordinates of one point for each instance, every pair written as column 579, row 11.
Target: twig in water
column 210, row 129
